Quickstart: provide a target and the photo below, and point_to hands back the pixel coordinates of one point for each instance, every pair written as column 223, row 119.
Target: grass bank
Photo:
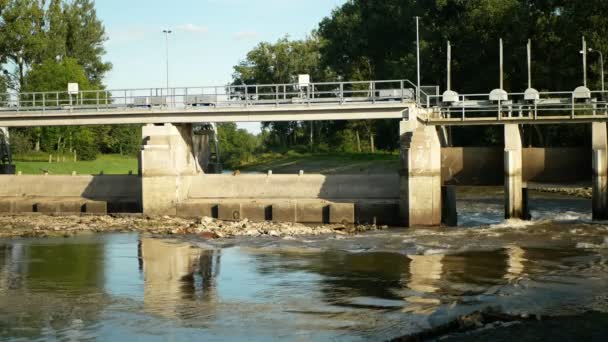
column 108, row 164
column 325, row 163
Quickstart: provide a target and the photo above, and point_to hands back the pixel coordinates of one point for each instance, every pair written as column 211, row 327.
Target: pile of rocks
column 43, row 226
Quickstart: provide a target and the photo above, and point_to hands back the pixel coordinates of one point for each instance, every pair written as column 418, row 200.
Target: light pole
column 418, row 58
column 167, row 33
column 602, row 65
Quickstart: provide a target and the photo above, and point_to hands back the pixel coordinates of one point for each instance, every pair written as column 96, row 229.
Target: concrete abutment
column 420, row 175
column 600, row 170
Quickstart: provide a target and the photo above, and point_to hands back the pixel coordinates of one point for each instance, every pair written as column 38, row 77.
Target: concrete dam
column 174, row 178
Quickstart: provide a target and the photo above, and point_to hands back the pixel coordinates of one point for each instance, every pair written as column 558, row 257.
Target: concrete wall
column 90, row 187
column 385, row 186
column 484, row 165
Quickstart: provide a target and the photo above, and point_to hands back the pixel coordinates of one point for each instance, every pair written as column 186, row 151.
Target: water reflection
column 177, row 277
column 132, row 287
column 48, row 289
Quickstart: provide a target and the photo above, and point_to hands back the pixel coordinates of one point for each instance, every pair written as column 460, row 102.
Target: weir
column 176, row 177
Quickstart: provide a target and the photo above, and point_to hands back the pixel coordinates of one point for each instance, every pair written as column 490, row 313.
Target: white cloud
column 192, row 28
column 244, row 35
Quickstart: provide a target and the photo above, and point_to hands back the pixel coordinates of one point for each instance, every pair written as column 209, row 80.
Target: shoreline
column 27, row 226
column 580, row 191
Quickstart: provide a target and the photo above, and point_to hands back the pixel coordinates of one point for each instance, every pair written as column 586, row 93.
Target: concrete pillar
column 449, row 214
column 600, row 170
column 168, row 160
column 514, row 208
column 420, row 175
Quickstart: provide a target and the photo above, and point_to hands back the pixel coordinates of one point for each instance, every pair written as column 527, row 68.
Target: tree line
column 376, row 40
column 44, row 45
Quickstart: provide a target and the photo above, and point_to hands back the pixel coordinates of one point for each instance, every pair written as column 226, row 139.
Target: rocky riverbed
column 53, row 226
column 575, row 191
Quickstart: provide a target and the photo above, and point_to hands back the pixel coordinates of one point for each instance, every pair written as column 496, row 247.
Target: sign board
column 303, row 80
column 73, row 88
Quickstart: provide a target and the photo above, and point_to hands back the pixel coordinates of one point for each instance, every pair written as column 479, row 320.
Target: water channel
column 373, row 286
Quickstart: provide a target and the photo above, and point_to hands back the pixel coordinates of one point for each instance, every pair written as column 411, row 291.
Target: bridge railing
column 341, row 93
column 509, row 106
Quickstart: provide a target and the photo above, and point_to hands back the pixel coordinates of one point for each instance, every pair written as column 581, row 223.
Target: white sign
column 73, row 88
column 303, row 80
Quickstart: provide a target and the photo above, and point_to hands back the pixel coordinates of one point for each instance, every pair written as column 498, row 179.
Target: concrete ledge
column 229, row 212
column 96, row 207
column 197, row 209
column 342, row 213
column 256, row 212
column 284, row 212
column 378, row 213
column 302, row 211
column 310, row 212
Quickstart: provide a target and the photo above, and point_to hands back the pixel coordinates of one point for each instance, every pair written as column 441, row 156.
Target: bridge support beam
column 420, row 175
column 514, row 197
column 168, row 159
column 600, row 170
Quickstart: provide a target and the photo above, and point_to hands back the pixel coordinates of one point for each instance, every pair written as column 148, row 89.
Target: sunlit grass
column 106, row 164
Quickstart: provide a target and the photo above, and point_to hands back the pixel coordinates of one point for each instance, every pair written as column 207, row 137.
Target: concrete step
column 312, row 211
column 44, row 205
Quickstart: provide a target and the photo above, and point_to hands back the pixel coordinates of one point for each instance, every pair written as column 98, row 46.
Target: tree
column 32, row 32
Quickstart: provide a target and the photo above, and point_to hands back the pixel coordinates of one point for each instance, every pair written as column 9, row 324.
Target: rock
column 273, row 233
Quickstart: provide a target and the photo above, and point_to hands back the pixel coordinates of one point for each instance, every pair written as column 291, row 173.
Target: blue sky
column 210, row 36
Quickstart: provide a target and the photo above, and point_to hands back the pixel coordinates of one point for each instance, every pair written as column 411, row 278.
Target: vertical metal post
column 529, row 63
column 373, row 89
column 501, row 65
column 246, row 95
column 43, row 102
column 584, row 62
column 449, row 83
column 418, row 58
column 167, row 33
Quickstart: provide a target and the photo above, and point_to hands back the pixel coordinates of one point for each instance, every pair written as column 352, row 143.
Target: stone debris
column 206, row 227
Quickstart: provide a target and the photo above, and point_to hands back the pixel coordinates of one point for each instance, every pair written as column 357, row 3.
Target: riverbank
column 66, row 226
column 575, row 190
column 109, row 164
column 325, row 163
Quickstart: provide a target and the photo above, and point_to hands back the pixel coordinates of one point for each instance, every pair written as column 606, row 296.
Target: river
column 372, row 286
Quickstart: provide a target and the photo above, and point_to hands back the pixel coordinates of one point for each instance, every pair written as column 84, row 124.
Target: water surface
column 374, row 286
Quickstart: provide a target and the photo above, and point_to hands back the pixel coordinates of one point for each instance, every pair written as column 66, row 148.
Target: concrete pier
column 514, row 204
column 168, row 156
column 600, row 170
column 420, row 175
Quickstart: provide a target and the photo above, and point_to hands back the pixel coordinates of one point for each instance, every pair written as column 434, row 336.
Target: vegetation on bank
column 293, row 162
column 107, row 164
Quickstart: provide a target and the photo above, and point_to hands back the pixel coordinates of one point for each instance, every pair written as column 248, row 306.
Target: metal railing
column 340, row 93
column 547, row 105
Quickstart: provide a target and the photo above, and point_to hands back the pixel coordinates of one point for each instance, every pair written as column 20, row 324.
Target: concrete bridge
column 172, row 177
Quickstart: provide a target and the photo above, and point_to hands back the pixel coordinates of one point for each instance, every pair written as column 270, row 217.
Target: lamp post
column 167, row 33
column 418, row 58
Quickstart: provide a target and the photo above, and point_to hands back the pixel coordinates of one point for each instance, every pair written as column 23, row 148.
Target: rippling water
column 370, row 287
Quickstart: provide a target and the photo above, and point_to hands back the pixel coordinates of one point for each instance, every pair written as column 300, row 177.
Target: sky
column 209, row 37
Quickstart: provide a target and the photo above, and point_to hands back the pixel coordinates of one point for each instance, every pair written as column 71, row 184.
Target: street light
column 167, row 33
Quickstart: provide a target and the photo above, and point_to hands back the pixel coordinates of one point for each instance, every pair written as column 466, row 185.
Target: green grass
column 108, row 164
column 325, row 163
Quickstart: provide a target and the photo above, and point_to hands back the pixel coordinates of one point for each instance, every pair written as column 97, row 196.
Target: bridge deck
column 253, row 113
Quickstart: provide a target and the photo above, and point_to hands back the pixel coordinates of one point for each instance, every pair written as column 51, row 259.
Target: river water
column 374, row 286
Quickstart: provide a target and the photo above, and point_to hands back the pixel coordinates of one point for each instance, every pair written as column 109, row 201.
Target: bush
column 20, row 143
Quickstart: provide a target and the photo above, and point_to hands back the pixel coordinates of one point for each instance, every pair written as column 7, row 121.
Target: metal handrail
column 226, row 95
column 558, row 104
